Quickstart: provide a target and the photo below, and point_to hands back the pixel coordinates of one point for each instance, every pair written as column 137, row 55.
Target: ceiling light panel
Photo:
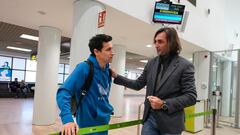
column 30, row 37
column 19, row 49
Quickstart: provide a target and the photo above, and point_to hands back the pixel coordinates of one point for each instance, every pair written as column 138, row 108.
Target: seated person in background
column 24, row 88
column 15, row 87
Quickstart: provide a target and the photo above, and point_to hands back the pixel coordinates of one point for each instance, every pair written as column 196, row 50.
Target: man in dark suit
column 170, row 86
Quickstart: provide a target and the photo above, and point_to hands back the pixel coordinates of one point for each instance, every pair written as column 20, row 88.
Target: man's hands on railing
column 70, row 128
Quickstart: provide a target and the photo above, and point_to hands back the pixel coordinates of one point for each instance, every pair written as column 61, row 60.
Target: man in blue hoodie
column 95, row 108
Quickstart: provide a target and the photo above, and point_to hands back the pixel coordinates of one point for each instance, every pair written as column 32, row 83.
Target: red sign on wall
column 101, row 19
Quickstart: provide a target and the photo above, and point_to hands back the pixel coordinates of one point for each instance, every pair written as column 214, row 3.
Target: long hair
column 172, row 39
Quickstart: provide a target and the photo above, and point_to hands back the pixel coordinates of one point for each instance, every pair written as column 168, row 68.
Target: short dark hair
column 97, row 41
column 172, row 39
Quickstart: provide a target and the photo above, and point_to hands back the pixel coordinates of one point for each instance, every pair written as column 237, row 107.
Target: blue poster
column 5, row 72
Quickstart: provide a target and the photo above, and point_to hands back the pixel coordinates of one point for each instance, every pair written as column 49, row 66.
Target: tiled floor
column 16, row 119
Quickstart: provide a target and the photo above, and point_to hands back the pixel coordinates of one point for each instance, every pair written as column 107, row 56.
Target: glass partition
column 224, row 75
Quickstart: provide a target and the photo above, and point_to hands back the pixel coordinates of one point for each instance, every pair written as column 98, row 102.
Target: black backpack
column 74, row 104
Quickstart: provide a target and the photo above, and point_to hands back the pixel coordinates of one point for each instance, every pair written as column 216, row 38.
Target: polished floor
column 16, row 119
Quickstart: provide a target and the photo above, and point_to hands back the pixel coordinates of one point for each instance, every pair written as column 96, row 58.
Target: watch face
column 164, row 107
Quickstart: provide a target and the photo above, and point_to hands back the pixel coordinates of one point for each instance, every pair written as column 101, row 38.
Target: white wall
column 206, row 31
column 140, row 9
column 203, row 29
column 233, row 23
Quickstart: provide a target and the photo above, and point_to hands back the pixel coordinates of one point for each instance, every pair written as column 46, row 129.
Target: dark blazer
column 177, row 88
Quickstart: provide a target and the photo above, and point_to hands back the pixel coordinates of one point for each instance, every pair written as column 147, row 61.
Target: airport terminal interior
column 42, row 41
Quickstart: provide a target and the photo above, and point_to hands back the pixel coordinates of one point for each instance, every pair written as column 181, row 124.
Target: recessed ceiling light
column 144, row 61
column 19, row 49
column 149, row 45
column 140, row 68
column 29, row 37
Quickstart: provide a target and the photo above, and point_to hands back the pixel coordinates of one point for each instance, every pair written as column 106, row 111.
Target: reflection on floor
column 16, row 119
column 230, row 121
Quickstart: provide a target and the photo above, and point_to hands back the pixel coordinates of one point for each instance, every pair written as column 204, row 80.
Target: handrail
column 107, row 127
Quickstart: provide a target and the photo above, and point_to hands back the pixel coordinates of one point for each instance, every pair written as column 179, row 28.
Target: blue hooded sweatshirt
column 95, row 108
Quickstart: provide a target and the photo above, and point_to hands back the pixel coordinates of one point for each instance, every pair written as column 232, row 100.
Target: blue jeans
column 150, row 127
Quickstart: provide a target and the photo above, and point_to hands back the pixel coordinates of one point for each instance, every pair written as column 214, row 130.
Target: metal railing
column 205, row 114
column 139, row 117
column 100, row 128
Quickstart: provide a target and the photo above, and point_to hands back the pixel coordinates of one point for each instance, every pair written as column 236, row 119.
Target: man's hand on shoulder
column 114, row 73
column 70, row 128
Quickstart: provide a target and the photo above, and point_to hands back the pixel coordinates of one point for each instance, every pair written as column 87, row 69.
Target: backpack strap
column 86, row 85
column 88, row 81
column 110, row 75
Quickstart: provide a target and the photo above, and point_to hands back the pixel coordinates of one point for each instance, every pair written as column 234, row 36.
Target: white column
column 201, row 61
column 117, row 91
column 85, row 26
column 226, row 88
column 44, row 110
column 237, row 121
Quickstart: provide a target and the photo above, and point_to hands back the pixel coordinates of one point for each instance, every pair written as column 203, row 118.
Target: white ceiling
column 126, row 30
column 25, row 13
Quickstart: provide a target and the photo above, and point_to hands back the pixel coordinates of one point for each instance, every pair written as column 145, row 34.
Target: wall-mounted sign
column 101, row 19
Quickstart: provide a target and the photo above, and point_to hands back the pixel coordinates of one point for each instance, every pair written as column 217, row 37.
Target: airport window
column 18, row 68
column 25, row 69
column 65, row 77
column 67, row 67
column 30, row 76
column 60, row 78
column 5, row 61
column 61, row 68
column 19, row 63
column 63, row 72
column 31, row 65
column 18, row 74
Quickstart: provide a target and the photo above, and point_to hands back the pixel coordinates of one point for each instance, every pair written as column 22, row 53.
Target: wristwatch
column 164, row 106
